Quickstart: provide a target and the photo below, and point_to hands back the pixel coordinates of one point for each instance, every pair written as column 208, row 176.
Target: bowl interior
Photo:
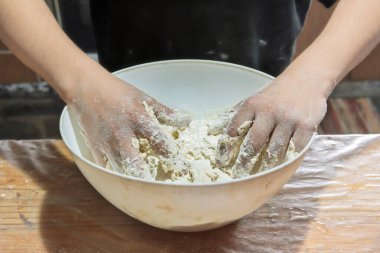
column 195, row 86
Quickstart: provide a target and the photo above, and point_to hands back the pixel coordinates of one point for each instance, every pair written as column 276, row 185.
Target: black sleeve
column 328, row 3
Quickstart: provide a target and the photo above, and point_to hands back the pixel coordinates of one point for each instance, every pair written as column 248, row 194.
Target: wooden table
column 332, row 204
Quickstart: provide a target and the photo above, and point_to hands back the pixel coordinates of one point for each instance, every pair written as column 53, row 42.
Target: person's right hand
column 112, row 114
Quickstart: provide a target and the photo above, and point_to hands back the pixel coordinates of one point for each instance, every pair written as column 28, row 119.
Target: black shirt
column 255, row 33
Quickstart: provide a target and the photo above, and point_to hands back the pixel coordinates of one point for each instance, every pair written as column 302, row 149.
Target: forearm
column 350, row 35
column 31, row 32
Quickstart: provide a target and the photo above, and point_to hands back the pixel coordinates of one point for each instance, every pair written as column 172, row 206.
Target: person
column 111, row 111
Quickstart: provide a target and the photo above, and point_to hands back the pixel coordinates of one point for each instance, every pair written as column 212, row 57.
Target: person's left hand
column 286, row 109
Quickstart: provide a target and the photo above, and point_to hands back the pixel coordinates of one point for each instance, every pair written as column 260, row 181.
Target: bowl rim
column 237, row 66
column 182, row 184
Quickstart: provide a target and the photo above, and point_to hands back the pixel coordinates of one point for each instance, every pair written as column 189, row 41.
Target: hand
column 112, row 113
column 286, row 109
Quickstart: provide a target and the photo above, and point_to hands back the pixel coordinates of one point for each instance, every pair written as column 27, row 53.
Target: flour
column 195, row 155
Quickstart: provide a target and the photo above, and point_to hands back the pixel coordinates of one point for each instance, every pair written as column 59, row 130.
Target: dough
column 197, row 158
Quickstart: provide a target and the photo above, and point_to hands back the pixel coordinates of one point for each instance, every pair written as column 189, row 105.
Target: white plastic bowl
column 196, row 86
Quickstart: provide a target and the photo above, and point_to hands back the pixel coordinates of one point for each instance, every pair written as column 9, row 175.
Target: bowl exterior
column 186, row 208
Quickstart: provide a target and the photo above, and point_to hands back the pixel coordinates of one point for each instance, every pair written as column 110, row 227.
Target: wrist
column 84, row 77
column 97, row 86
column 320, row 81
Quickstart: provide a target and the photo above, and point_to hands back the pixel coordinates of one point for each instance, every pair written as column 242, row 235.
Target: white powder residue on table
column 196, row 158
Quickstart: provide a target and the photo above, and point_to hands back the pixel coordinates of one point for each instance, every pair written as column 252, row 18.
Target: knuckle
column 263, row 121
column 232, row 129
column 250, row 103
column 306, row 125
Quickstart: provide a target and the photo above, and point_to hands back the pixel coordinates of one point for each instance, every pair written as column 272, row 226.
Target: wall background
column 75, row 13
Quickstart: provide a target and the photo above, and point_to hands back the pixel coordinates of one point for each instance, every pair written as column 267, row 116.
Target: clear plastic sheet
column 332, row 204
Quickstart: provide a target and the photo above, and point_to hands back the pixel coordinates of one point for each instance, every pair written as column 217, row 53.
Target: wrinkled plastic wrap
column 332, row 204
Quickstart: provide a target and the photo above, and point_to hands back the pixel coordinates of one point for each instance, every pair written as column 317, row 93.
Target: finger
column 124, row 155
column 278, row 145
column 253, row 144
column 301, row 137
column 168, row 116
column 243, row 114
column 162, row 143
column 95, row 150
column 133, row 164
column 228, row 148
column 218, row 125
column 99, row 156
